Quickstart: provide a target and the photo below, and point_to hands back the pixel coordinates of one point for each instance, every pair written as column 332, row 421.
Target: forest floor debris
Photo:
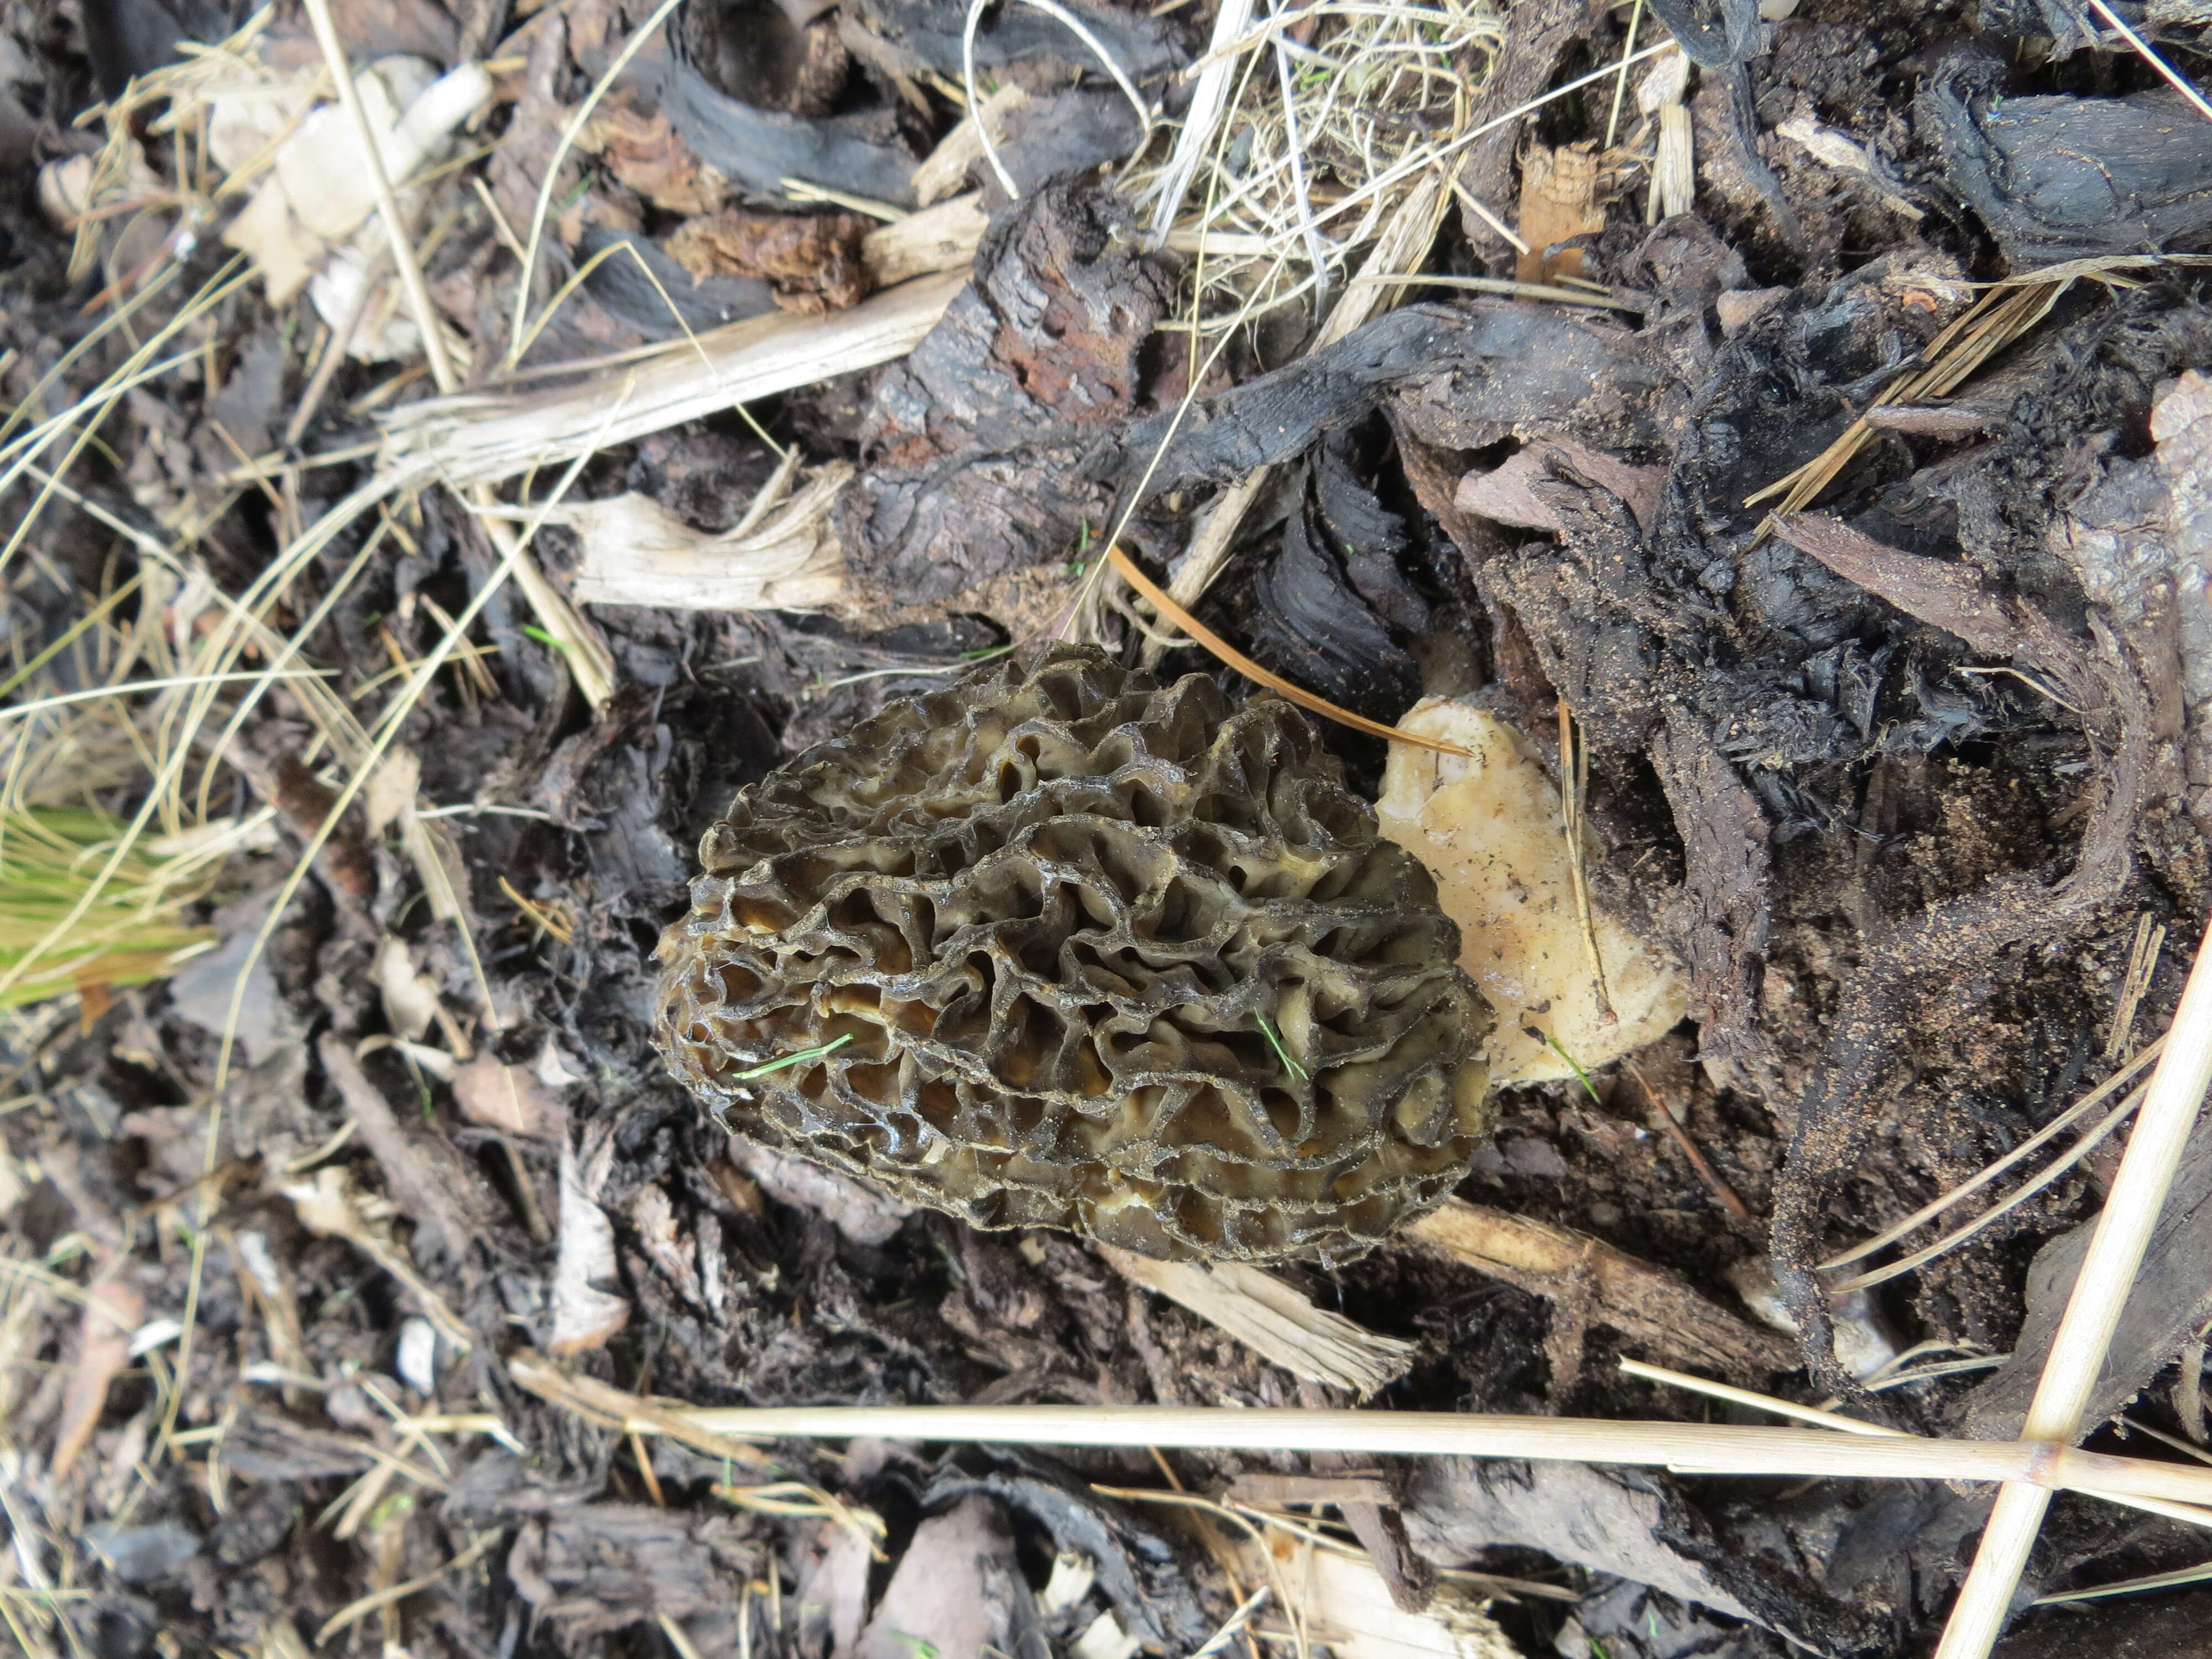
column 447, row 448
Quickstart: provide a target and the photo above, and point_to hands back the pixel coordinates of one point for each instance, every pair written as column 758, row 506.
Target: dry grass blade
column 353, row 1611
column 1252, row 670
column 2093, row 1312
column 2189, row 1514
column 2172, row 76
column 2175, row 1580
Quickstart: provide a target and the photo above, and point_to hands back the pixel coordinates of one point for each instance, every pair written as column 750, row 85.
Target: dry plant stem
column 2092, row 1310
column 1252, row 670
column 1691, row 1448
column 2189, row 1514
column 1621, row 86
column 480, row 437
column 419, row 307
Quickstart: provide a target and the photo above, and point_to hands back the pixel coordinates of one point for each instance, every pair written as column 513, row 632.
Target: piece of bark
column 1589, row 1282
column 1634, row 1523
column 811, row 262
column 1503, row 496
column 1559, row 201
column 592, row 1569
column 958, row 1591
column 1536, row 38
column 969, row 447
column 1949, row 944
column 2057, row 178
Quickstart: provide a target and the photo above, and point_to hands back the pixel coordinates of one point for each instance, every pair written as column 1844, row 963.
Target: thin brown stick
column 1252, row 670
column 1723, row 1194
column 1574, row 789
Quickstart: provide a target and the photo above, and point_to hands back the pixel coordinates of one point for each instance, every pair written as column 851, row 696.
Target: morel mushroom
column 1057, row 947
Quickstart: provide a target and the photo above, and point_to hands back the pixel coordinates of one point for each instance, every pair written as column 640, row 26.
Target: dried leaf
column 112, row 1310
column 511, row 1098
column 583, row 1316
column 319, row 192
column 862, row 1214
column 392, row 789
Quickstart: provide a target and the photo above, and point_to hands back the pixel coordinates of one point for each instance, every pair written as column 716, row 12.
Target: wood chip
column 1273, row 1319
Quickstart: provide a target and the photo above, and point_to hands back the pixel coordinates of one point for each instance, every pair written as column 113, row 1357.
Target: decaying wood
column 1589, row 1282
column 1273, row 1321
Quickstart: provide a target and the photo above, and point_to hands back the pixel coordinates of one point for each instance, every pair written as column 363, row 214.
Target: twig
column 2093, row 1312
column 1574, row 786
column 1723, row 1193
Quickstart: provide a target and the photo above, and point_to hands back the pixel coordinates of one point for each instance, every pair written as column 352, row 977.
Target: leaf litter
column 761, row 389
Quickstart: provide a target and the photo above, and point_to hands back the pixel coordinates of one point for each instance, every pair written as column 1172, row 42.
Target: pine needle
column 1252, row 670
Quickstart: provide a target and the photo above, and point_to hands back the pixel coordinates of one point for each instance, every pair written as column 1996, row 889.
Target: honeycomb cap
column 1054, row 946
